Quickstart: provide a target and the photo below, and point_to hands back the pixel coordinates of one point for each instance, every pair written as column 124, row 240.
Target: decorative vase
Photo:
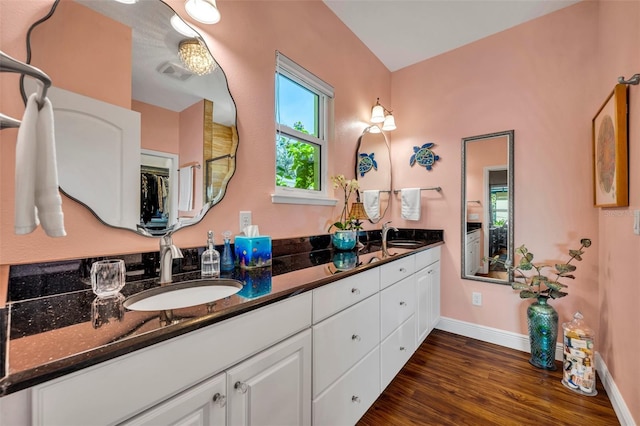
column 542, row 319
column 344, row 240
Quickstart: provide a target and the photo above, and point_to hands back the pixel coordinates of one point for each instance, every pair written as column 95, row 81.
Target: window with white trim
column 303, row 117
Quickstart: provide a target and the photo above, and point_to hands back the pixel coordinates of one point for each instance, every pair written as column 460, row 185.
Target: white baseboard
column 619, row 406
column 520, row 342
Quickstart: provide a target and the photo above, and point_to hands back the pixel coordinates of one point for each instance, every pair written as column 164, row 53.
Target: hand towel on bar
column 371, row 201
column 410, row 203
column 185, row 191
column 37, row 197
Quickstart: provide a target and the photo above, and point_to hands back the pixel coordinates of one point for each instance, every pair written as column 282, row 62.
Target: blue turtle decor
column 424, row 156
column 366, row 162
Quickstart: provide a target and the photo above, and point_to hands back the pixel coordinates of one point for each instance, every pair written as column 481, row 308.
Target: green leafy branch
column 530, row 278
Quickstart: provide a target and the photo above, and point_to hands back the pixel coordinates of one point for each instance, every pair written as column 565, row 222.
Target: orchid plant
column 348, row 186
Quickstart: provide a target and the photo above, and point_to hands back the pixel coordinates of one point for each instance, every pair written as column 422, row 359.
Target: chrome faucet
column 385, row 230
column 168, row 252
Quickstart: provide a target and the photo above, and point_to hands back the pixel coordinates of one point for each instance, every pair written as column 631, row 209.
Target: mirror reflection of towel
column 185, row 191
column 410, row 203
column 371, row 201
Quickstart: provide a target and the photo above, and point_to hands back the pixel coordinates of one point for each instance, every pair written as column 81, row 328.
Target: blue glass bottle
column 226, row 262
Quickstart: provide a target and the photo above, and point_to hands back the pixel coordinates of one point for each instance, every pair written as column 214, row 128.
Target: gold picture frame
column 610, row 145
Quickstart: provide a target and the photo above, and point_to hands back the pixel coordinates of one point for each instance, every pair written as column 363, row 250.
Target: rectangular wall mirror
column 487, row 206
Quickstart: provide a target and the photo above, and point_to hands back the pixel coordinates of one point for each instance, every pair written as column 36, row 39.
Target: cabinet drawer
column 351, row 396
column 395, row 271
column 395, row 351
column 427, row 257
column 334, row 297
column 157, row 372
column 340, row 341
column 397, row 303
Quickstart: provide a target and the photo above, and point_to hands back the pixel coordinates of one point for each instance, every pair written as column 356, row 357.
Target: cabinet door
column 434, row 283
column 397, row 304
column 423, row 304
column 427, row 301
column 202, row 405
column 273, row 387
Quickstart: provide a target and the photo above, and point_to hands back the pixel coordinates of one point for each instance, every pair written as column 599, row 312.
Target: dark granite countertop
column 54, row 325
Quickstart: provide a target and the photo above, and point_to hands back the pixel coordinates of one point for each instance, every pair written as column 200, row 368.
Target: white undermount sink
column 182, row 294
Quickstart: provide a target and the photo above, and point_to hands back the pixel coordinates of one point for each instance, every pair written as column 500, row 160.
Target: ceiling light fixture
column 204, row 11
column 380, row 114
column 127, row 1
column 196, row 57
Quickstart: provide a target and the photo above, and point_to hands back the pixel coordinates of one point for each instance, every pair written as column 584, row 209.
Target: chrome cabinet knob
column 355, row 399
column 219, row 399
column 402, row 348
column 356, row 338
column 403, row 303
column 403, row 270
column 241, row 387
column 355, row 291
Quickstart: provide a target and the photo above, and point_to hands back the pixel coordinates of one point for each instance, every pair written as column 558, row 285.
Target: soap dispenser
column 210, row 262
column 226, row 262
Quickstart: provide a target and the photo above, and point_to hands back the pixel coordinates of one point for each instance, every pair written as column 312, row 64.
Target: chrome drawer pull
column 403, row 270
column 221, row 400
column 355, row 291
column 402, row 348
column 403, row 303
column 355, row 399
column 241, row 387
column 356, row 337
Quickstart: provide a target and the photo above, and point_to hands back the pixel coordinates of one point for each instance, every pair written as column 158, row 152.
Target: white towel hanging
column 410, row 203
column 37, row 197
column 185, row 190
column 371, row 202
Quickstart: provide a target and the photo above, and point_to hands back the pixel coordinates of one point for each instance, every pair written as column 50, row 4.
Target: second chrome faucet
column 385, row 230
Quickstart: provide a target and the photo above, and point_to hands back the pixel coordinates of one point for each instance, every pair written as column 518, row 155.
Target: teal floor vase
column 542, row 319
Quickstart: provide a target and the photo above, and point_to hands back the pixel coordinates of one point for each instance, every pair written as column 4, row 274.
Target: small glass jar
column 107, row 277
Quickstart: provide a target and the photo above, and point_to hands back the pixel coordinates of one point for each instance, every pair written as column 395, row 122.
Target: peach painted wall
column 546, row 79
column 107, row 56
column 159, row 128
column 191, row 143
column 323, row 45
column 618, row 51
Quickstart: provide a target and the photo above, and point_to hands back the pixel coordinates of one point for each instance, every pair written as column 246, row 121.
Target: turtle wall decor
column 366, row 163
column 424, row 156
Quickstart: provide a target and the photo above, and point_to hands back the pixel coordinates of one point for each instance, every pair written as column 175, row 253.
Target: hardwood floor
column 454, row 380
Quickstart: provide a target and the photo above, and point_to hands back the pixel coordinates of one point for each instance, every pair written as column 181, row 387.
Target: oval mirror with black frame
column 373, row 172
column 148, row 143
column 487, row 206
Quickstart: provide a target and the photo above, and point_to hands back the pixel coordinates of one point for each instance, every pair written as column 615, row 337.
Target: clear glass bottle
column 226, row 262
column 210, row 261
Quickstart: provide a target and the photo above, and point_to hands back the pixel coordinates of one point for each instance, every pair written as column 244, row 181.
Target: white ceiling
column 403, row 32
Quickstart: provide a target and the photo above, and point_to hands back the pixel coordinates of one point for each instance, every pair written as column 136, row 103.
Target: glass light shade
column 127, row 1
column 374, row 129
column 389, row 123
column 357, row 211
column 204, row 11
column 182, row 27
column 195, row 56
column 377, row 114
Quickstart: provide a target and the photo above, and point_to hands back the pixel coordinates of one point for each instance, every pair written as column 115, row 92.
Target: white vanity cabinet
column 115, row 391
column 472, row 255
column 427, row 292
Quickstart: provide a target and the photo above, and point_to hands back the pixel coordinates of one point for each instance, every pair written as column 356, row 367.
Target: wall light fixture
column 380, row 114
column 204, row 11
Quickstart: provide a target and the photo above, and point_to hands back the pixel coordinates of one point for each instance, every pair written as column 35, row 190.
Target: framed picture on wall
column 610, row 164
